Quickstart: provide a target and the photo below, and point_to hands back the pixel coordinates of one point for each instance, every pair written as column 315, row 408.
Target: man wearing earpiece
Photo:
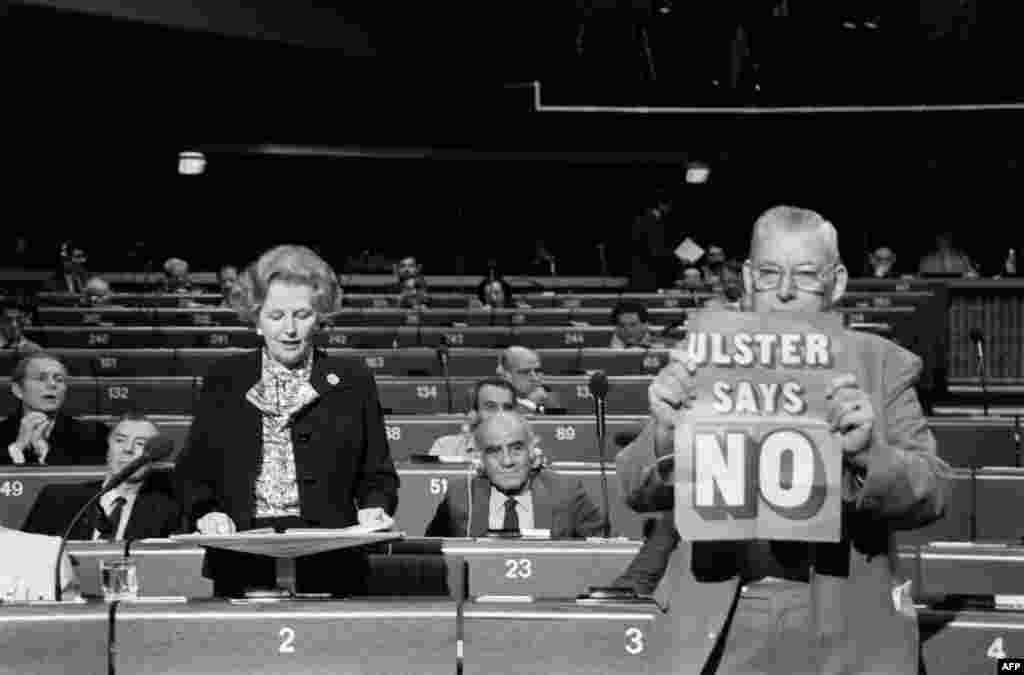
column 512, row 491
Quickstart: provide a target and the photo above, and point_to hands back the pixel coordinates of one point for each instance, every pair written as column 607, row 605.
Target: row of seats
column 382, row 316
column 984, row 504
column 993, row 442
column 409, row 361
column 855, row 296
column 364, row 337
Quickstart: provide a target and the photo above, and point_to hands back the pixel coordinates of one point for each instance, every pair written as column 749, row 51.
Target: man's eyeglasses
column 809, row 279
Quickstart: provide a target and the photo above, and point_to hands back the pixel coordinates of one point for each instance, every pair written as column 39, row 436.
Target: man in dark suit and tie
column 512, row 490
column 136, row 509
column 40, row 433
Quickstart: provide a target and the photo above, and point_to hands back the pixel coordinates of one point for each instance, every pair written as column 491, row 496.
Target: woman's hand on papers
column 671, row 391
column 216, row 523
column 375, row 517
column 851, row 414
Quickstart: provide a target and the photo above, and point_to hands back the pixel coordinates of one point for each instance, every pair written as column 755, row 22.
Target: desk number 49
column 12, row 488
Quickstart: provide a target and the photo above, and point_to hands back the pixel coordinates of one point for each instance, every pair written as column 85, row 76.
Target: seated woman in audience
column 287, row 436
column 495, row 294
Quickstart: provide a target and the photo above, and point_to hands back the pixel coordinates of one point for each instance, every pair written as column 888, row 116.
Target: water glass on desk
column 119, row 578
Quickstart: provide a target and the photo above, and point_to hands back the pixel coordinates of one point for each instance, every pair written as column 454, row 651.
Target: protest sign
column 755, row 457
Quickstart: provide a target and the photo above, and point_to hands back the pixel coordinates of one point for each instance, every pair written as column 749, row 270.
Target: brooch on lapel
column 333, row 379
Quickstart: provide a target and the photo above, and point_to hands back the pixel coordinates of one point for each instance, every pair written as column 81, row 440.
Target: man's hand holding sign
column 761, row 422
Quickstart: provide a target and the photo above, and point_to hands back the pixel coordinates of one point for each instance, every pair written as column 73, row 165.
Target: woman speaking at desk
column 286, row 436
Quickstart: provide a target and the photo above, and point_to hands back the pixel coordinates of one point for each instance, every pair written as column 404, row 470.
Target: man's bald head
column 521, row 367
column 97, row 291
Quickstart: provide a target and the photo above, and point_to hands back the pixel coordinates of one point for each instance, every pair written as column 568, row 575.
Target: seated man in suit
column 488, row 397
column 27, row 567
column 512, row 490
column 134, row 510
column 39, row 433
column 521, row 368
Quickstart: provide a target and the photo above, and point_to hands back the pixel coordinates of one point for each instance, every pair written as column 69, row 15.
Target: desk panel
column 958, row 643
column 19, row 487
column 542, row 638
column 1000, row 504
column 164, row 395
column 48, row 639
column 313, row 638
column 983, row 441
column 543, row 569
column 165, row 568
column 971, row 569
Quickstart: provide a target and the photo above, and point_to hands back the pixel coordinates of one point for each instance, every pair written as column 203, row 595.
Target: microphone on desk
column 599, row 391
column 442, row 357
column 157, row 449
column 978, row 338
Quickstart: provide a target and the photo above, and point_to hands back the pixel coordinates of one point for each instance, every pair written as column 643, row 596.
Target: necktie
column 511, row 517
column 114, row 518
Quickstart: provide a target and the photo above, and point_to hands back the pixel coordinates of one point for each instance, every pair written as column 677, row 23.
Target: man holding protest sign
column 790, row 450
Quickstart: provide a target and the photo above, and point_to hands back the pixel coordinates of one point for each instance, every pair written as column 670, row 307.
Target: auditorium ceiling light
column 697, row 173
column 191, row 163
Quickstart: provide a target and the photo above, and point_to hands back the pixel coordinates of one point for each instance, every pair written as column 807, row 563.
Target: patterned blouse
column 280, row 393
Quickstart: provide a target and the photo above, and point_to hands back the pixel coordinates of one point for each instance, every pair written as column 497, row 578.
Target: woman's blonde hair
column 291, row 264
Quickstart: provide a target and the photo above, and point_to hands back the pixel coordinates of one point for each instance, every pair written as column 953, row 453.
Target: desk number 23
column 287, row 635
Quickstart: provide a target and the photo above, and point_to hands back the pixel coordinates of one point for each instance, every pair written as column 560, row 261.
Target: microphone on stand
column 442, row 357
column 157, row 449
column 599, row 391
column 978, row 338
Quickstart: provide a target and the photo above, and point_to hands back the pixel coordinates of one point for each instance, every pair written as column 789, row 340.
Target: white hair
column 793, row 219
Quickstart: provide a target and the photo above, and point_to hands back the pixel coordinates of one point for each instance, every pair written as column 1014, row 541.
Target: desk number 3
column 287, row 636
column 634, row 640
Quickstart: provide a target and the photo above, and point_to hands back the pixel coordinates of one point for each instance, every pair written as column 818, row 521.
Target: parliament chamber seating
column 155, row 353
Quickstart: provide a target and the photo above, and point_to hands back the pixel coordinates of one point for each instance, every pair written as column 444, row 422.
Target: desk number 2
column 287, row 636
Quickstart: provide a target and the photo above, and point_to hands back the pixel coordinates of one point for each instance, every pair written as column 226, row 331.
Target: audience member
column 97, row 292
column 12, row 332
column 691, row 279
column 716, row 270
column 40, row 433
column 946, row 260
column 27, row 568
column 521, row 367
column 631, row 327
column 176, row 277
column 488, row 397
column 882, row 263
column 413, row 294
column 134, row 510
column 494, row 294
column 407, row 268
column 512, row 490
column 227, row 279
column 71, row 273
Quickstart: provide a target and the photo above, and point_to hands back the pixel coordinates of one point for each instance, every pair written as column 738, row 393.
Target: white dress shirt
column 129, row 491
column 524, row 509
